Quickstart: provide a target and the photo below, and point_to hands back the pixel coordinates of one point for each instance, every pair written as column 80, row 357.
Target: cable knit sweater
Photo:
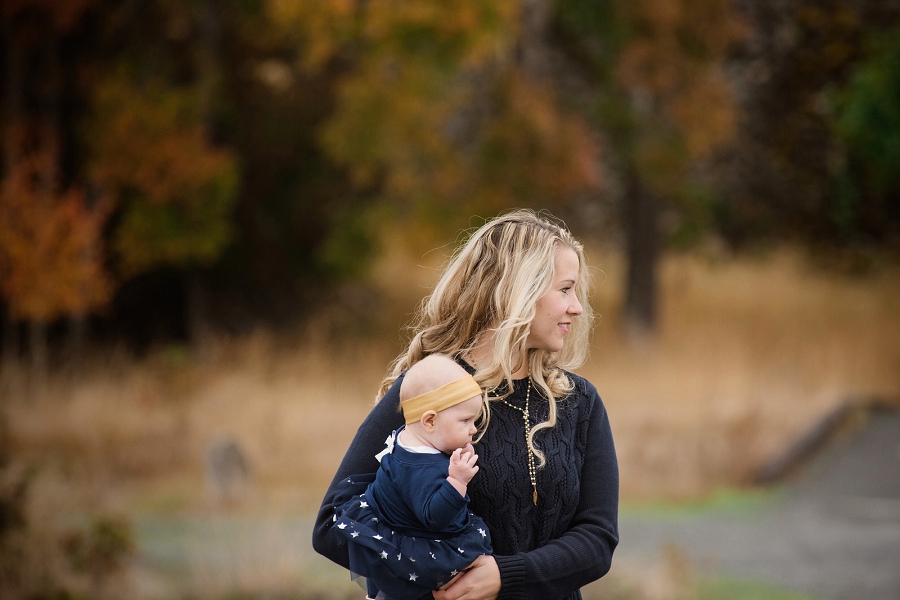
column 544, row 552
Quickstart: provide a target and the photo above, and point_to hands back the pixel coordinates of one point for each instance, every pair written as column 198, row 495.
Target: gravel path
column 833, row 533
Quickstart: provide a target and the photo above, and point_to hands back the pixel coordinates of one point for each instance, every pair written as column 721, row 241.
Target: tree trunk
column 10, row 343
column 196, row 319
column 11, row 349
column 37, row 347
column 641, row 216
column 75, row 342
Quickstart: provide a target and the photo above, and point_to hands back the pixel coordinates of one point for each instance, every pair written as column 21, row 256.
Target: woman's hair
column 491, row 285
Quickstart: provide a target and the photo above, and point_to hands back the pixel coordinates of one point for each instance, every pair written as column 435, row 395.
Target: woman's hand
column 481, row 581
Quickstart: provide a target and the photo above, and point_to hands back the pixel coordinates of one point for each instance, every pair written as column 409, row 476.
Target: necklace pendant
column 534, row 497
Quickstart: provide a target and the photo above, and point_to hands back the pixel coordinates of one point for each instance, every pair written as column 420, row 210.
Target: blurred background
column 217, row 218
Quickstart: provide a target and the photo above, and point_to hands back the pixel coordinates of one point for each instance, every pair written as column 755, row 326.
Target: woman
column 511, row 306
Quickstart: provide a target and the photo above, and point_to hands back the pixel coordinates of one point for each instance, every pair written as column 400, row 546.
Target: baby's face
column 455, row 426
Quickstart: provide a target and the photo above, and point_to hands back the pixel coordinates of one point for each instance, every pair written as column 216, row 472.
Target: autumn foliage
column 260, row 146
column 175, row 190
column 51, row 245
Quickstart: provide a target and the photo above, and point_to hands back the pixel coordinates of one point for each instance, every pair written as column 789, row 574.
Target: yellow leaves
column 323, row 25
column 469, row 30
column 50, row 244
column 473, row 31
column 436, row 113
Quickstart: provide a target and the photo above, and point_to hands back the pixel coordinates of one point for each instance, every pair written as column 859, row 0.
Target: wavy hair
column 491, row 286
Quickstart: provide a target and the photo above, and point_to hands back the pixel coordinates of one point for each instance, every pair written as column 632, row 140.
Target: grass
column 749, row 354
column 738, row 589
column 723, row 500
column 672, row 576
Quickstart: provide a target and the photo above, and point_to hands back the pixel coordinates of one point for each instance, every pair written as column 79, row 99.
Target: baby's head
column 441, row 403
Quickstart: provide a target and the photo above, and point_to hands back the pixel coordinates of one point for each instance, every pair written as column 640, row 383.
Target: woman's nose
column 575, row 308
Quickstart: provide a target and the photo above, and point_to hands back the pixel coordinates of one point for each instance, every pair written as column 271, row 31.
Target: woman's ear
column 428, row 420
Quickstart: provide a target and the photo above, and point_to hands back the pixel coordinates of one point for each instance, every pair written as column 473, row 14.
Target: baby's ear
column 427, row 420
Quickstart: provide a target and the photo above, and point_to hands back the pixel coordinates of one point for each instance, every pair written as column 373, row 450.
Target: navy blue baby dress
column 409, row 531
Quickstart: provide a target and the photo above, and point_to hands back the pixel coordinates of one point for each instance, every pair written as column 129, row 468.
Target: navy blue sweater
column 544, row 552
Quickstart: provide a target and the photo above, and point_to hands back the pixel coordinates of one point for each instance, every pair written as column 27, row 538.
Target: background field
column 751, row 353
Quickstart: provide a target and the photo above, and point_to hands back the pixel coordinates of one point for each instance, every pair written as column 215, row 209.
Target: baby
column 410, row 531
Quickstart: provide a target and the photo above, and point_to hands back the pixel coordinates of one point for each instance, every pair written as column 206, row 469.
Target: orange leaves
column 671, row 72
column 151, row 141
column 535, row 152
column 50, row 244
column 174, row 189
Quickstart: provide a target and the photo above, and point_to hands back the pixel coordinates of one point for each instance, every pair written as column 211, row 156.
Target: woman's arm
column 584, row 552
column 384, row 418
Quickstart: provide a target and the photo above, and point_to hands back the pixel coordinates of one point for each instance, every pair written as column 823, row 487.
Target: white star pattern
column 354, row 534
column 412, row 576
column 333, row 518
column 482, row 532
column 411, row 559
column 461, row 551
column 398, row 556
column 377, row 537
column 383, row 554
column 363, row 504
column 453, row 573
column 432, row 555
column 342, row 525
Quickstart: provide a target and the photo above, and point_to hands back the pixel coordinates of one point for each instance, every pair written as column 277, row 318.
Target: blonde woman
column 511, row 306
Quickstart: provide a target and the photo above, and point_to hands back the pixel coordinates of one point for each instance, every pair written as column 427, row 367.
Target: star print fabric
column 405, row 532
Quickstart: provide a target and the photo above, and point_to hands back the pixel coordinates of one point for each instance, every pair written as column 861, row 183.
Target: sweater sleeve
column 384, row 418
column 584, row 552
column 440, row 507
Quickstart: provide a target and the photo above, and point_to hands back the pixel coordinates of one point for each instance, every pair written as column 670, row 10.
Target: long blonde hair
column 492, row 284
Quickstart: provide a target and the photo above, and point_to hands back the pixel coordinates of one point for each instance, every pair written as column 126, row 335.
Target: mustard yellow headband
column 440, row 399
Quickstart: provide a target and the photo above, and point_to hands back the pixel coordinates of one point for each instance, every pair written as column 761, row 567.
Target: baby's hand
column 462, row 464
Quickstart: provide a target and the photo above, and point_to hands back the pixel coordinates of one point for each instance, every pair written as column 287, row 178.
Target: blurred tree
column 48, row 239
column 175, row 190
column 61, row 224
column 867, row 119
column 664, row 103
column 438, row 114
column 782, row 177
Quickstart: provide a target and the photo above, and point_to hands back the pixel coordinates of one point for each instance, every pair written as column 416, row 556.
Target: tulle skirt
column 403, row 567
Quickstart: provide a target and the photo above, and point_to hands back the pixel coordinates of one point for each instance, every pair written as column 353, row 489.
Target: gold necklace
column 531, row 469
column 532, row 472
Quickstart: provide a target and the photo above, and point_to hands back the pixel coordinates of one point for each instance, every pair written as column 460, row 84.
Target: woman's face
column 558, row 306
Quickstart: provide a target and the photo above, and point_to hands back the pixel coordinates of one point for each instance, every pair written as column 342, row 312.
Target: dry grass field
column 750, row 353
